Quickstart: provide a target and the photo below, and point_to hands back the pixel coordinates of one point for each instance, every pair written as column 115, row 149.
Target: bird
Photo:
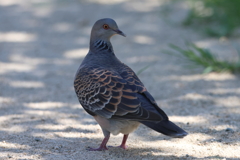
column 112, row 93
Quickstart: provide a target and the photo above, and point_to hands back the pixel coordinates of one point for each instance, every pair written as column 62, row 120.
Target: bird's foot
column 97, row 149
column 123, row 146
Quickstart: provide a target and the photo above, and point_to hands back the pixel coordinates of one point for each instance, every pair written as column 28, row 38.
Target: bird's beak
column 119, row 32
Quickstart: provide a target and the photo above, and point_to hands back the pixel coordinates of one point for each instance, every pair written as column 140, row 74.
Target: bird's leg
column 103, row 146
column 123, row 145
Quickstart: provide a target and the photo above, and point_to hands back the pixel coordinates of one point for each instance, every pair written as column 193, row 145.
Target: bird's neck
column 100, row 45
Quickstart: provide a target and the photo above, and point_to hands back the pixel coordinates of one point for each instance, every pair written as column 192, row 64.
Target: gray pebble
column 37, row 139
column 229, row 130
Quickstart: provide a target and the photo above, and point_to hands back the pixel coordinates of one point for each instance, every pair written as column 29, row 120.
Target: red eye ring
column 105, row 26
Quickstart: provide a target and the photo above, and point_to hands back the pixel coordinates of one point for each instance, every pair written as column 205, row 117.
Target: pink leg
column 103, row 146
column 123, row 145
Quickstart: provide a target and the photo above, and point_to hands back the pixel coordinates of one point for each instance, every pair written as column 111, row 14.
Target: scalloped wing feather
column 110, row 95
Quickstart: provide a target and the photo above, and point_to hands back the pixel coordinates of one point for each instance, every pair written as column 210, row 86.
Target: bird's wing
column 147, row 100
column 106, row 93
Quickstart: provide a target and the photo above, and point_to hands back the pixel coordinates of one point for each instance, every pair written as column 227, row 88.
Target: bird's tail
column 166, row 127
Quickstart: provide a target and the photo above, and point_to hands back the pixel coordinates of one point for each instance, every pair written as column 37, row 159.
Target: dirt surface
column 42, row 43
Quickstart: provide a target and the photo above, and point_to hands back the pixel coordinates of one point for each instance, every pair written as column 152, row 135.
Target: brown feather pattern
column 109, row 94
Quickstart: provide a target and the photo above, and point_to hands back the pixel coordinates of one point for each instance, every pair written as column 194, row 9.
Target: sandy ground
column 42, row 44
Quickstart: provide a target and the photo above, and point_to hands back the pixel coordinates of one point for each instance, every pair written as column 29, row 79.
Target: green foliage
column 217, row 17
column 203, row 57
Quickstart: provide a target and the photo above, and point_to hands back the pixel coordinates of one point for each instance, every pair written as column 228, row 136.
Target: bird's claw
column 121, row 146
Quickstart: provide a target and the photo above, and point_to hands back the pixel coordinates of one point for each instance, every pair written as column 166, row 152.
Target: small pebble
column 37, row 139
column 57, row 147
column 229, row 130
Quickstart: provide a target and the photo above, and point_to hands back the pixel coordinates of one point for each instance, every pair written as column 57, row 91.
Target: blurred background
column 186, row 53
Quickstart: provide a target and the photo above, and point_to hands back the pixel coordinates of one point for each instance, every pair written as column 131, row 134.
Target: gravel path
column 42, row 44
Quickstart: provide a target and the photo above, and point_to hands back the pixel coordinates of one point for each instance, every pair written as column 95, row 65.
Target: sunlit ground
column 42, row 43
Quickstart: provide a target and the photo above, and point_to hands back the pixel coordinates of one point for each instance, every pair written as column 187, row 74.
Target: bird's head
column 104, row 29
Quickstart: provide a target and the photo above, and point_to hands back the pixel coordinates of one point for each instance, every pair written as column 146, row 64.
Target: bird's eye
column 105, row 26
